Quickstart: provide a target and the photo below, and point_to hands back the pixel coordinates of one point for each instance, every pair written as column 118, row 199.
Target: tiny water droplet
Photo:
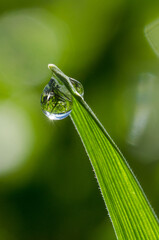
column 56, row 100
column 78, row 86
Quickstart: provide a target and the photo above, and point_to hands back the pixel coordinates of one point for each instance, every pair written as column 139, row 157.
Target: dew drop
column 56, row 100
column 78, row 86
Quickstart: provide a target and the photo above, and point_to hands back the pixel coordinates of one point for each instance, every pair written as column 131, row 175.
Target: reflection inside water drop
column 56, row 100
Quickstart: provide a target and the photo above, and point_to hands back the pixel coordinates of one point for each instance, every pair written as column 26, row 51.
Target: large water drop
column 56, row 100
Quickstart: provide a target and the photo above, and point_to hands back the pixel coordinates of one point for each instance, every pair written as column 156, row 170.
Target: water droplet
column 56, row 100
column 78, row 86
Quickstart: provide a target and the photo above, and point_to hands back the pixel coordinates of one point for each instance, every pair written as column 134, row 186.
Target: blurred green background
column 48, row 190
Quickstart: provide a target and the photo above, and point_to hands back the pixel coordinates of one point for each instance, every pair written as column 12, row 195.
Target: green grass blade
column 131, row 214
column 129, row 210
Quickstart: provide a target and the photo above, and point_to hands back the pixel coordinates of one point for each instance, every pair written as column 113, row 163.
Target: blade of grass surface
column 130, row 213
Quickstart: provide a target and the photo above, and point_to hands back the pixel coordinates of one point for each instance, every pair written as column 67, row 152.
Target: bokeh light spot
column 16, row 137
column 29, row 40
